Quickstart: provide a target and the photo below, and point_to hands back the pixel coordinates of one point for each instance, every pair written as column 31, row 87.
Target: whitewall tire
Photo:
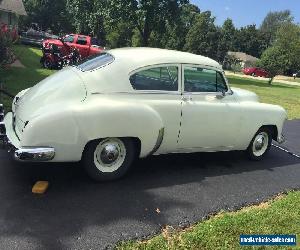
column 109, row 158
column 260, row 144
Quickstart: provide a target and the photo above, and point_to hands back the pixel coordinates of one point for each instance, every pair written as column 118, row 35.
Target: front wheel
column 260, row 144
column 108, row 159
column 253, row 74
column 47, row 64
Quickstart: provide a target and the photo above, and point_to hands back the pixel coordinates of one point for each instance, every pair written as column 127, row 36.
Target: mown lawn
column 17, row 79
column 280, row 216
column 281, row 94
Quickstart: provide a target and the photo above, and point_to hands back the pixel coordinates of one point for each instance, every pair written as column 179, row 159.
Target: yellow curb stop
column 40, row 187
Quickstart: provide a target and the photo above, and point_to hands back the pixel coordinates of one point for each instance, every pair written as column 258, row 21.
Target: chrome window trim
column 102, row 66
column 141, row 92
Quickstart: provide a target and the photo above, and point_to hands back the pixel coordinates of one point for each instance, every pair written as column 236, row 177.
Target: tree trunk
column 270, row 80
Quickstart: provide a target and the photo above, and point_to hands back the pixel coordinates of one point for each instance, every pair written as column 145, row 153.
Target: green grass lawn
column 281, row 216
column 17, row 79
column 281, row 94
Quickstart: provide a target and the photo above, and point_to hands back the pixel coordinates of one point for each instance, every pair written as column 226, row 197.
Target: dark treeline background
column 173, row 24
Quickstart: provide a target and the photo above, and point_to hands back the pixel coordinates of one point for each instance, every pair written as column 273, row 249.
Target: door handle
column 186, row 98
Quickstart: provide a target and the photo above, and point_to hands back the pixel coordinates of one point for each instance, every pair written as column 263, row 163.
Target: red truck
column 64, row 46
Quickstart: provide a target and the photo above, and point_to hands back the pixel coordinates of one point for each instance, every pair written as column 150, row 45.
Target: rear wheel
column 260, row 144
column 108, row 159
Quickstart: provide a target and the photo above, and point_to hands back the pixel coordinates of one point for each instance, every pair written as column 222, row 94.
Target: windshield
column 95, row 61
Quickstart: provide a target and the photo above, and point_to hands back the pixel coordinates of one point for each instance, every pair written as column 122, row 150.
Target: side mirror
column 220, row 95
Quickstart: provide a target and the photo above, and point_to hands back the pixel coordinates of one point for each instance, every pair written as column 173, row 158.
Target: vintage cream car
column 135, row 102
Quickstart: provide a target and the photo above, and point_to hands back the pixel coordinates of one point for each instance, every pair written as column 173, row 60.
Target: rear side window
column 69, row 39
column 158, row 78
column 203, row 80
column 95, row 62
column 82, row 40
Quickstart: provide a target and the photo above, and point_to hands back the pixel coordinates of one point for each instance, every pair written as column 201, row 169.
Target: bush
column 6, row 55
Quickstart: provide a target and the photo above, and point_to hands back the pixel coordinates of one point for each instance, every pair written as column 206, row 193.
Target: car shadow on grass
column 74, row 204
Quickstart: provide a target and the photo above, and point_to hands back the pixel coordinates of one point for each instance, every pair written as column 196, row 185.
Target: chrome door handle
column 186, row 98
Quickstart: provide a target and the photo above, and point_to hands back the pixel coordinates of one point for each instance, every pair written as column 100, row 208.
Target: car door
column 210, row 117
column 82, row 46
column 159, row 87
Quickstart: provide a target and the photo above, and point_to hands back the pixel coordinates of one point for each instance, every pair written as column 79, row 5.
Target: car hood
column 53, row 93
column 243, row 95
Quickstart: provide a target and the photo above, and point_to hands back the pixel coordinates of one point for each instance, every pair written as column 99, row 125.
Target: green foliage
column 5, row 48
column 203, row 36
column 283, row 56
column 48, row 14
column 250, row 40
column 273, row 21
column 147, row 17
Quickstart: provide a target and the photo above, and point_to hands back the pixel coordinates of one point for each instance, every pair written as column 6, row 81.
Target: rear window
column 95, row 61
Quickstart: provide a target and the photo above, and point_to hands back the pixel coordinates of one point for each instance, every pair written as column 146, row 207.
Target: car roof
column 140, row 57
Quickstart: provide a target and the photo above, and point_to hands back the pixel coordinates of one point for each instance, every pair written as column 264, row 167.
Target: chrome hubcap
column 109, row 155
column 260, row 144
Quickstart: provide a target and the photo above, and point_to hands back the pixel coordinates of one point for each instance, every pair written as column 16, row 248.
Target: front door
column 210, row 120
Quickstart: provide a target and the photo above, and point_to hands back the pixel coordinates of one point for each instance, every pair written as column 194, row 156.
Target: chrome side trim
column 159, row 140
column 34, row 154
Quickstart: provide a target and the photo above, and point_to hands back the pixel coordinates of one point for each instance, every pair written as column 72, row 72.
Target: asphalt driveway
column 163, row 190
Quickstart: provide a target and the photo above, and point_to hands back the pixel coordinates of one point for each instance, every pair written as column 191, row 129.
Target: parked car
column 34, row 36
column 297, row 74
column 135, row 102
column 81, row 42
column 255, row 72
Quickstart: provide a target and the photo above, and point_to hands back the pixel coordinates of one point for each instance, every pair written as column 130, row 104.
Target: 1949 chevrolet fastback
column 135, row 102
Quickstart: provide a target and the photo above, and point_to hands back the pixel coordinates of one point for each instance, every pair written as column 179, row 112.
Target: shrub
column 6, row 55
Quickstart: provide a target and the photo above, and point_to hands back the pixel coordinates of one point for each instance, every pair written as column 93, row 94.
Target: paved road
column 79, row 214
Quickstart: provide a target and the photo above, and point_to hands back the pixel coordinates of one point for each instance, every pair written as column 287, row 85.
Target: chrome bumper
column 281, row 139
column 24, row 153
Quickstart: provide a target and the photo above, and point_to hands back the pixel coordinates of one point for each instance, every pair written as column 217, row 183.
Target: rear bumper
column 9, row 141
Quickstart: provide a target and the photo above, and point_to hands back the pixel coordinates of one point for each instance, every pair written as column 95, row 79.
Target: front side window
column 198, row 79
column 158, row 78
column 95, row 61
column 69, row 39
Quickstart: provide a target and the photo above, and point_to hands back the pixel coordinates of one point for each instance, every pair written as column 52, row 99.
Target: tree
column 283, row 56
column 147, row 16
column 273, row 21
column 88, row 16
column 49, row 14
column 6, row 55
column 175, row 30
column 203, row 36
column 226, row 41
column 250, row 41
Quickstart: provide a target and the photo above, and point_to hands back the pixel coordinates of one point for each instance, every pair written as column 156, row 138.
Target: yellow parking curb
column 40, row 187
